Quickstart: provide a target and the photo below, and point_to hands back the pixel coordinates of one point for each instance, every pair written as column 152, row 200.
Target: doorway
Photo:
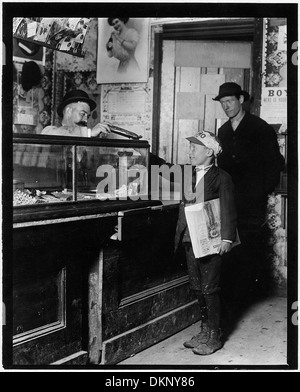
column 191, row 74
column 191, row 61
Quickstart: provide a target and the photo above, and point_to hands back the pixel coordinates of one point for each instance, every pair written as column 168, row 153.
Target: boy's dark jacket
column 217, row 184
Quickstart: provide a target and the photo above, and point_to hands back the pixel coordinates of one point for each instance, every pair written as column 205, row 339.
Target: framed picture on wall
column 123, row 48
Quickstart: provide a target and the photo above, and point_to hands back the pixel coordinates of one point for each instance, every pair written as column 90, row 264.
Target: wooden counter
column 96, row 288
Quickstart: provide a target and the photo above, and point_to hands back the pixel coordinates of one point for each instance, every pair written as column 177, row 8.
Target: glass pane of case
column 109, row 173
column 40, row 170
column 43, row 172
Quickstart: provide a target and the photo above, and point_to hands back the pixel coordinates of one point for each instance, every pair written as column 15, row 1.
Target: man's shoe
column 200, row 338
column 211, row 345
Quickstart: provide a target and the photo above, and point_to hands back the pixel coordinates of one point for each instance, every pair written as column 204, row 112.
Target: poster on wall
column 123, row 48
column 274, row 104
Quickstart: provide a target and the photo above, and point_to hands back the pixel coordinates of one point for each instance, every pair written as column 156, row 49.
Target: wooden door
column 192, row 72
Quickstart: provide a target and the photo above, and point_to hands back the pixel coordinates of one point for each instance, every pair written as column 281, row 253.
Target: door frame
column 243, row 29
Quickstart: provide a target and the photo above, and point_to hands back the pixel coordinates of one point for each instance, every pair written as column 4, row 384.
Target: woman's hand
column 116, row 34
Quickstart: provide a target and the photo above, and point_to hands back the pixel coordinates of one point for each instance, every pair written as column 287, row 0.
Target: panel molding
column 153, row 291
column 47, row 329
column 121, row 346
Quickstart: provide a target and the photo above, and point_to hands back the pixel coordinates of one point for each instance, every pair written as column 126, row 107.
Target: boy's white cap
column 207, row 139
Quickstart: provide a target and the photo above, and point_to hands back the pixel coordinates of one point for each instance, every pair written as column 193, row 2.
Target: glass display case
column 57, row 169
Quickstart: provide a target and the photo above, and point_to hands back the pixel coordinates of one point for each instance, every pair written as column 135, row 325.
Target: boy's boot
column 212, row 344
column 200, row 338
column 203, row 335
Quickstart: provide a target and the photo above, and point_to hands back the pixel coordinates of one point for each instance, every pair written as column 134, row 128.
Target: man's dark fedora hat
column 228, row 89
column 75, row 96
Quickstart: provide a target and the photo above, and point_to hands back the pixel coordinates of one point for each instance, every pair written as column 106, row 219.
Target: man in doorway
column 251, row 156
column 75, row 109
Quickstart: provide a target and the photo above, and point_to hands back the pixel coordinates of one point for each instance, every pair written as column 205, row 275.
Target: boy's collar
column 202, row 167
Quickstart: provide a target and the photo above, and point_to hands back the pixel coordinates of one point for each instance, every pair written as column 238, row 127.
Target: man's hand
column 101, row 129
column 225, row 247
